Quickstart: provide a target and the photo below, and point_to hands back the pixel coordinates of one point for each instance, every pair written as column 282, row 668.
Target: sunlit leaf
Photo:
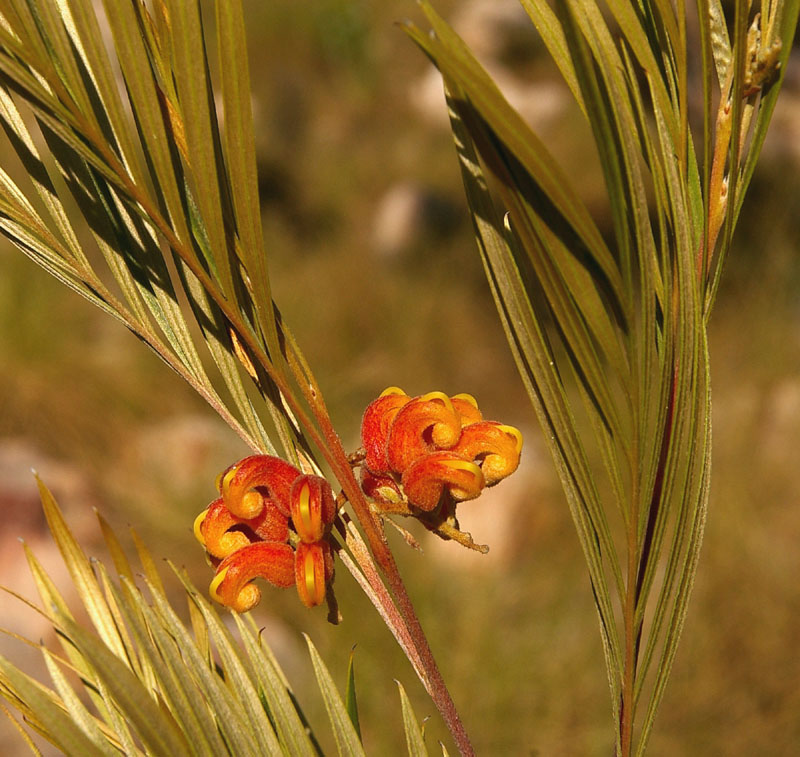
column 347, row 739
column 63, row 731
column 415, row 740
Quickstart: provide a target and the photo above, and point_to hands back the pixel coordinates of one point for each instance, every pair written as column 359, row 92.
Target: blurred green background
column 376, row 272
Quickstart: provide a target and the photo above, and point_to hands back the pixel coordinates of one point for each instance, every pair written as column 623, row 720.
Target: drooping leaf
column 540, row 375
column 631, row 80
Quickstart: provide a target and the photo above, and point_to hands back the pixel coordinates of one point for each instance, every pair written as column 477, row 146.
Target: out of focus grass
column 514, row 632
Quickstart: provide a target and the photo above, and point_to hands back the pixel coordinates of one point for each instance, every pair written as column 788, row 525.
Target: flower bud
column 313, row 571
column 380, row 488
column 467, row 407
column 423, row 425
column 375, row 426
column 427, row 479
column 247, row 485
column 232, row 585
column 214, row 528
column 312, row 507
column 495, row 447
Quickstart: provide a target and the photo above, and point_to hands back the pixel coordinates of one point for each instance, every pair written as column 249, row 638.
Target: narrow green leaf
column 57, row 722
column 139, row 664
column 148, row 564
column 104, row 703
column 190, row 68
column 37, row 172
column 688, row 571
column 240, row 153
column 81, row 573
column 226, row 701
column 117, row 723
column 769, row 98
column 275, row 689
column 549, row 27
column 202, row 638
column 23, row 734
column 76, row 709
column 96, row 202
column 218, row 340
column 176, row 683
column 348, row 741
column 537, row 368
column 242, row 681
column 118, row 556
column 86, row 34
column 415, row 740
column 147, row 99
column 350, row 697
column 537, row 359
column 457, row 63
column 54, row 115
column 157, row 731
column 637, row 38
column 67, row 83
column 525, row 173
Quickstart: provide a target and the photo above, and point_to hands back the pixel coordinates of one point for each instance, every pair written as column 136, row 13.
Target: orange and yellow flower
column 421, row 457
column 433, row 448
column 270, row 522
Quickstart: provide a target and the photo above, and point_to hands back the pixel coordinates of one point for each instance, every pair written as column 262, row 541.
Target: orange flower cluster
column 433, row 450
column 269, row 522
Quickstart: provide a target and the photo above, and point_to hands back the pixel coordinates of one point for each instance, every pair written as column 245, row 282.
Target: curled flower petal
column 313, row 571
column 247, row 485
column 426, row 480
column 222, row 533
column 494, row 446
column 423, row 425
column 467, row 407
column 375, row 426
column 312, row 507
column 380, row 488
column 211, row 529
column 271, row 561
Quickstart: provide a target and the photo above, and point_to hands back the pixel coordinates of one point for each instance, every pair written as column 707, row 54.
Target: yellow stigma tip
column 516, row 433
column 218, row 579
column 392, row 390
column 224, row 480
column 467, row 398
column 198, row 521
column 441, row 396
column 464, row 465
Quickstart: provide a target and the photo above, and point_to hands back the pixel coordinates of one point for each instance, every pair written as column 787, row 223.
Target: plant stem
column 433, row 681
column 327, row 441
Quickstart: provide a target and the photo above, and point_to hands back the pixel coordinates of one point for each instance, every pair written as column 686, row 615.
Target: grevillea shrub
column 140, row 192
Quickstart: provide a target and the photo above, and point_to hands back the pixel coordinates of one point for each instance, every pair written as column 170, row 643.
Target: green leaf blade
column 348, row 741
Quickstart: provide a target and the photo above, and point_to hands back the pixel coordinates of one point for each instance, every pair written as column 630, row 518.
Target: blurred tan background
column 376, row 272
